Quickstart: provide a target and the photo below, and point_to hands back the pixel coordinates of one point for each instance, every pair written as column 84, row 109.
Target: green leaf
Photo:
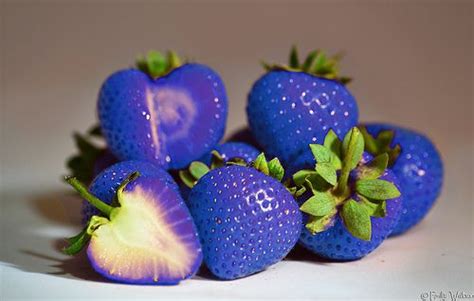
column 293, row 60
column 327, row 172
column 276, row 169
column 378, row 209
column 261, row 164
column 377, row 189
column 375, row 168
column 95, row 131
column 320, row 64
column 309, row 61
column 319, row 204
column 320, row 153
column 300, row 176
column 198, row 169
column 187, row 178
column 317, row 224
column 381, row 144
column 384, row 139
column 77, row 243
column 316, row 183
column 156, row 63
column 217, row 160
column 354, row 138
column 300, row 191
column 371, row 144
column 393, row 154
column 332, row 142
column 173, row 60
column 357, row 220
column 237, row 161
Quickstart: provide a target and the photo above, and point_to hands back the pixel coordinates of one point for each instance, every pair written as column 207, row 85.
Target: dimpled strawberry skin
column 170, row 121
column 287, row 111
column 105, row 184
column 246, row 220
column 419, row 169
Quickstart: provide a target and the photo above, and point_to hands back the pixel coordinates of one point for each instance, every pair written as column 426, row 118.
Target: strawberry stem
column 83, row 192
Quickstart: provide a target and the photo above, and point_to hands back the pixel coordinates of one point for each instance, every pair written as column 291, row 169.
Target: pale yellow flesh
column 138, row 243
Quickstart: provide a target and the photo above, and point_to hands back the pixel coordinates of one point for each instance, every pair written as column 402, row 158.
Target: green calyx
column 81, row 165
column 77, row 243
column 329, row 185
column 197, row 170
column 316, row 63
column 155, row 64
column 381, row 144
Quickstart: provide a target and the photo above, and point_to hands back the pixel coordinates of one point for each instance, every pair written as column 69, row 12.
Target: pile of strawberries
column 163, row 193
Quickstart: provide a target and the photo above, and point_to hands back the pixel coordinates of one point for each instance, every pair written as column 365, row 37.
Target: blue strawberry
column 230, row 150
column 292, row 106
column 417, row 164
column 222, row 153
column 105, row 184
column 246, row 219
column 351, row 200
column 244, row 135
column 166, row 113
column 147, row 235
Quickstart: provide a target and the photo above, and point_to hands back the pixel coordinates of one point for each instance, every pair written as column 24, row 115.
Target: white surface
column 412, row 62
column 436, row 256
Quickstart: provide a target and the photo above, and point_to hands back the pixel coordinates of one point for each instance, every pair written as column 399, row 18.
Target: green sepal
column 261, row 164
column 299, row 192
column 320, row 204
column 78, row 242
column 198, row 169
column 273, row 168
column 276, row 169
column 381, row 144
column 216, row 160
column 81, row 165
column 155, row 64
column 237, row 161
column 357, row 219
column 332, row 142
column 95, row 131
column 316, row 63
column 376, row 208
column 187, row 178
column 317, row 224
column 377, row 189
column 320, row 153
column 293, row 60
column 309, row 61
column 375, row 168
column 356, row 156
column 327, row 171
column 299, row 177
